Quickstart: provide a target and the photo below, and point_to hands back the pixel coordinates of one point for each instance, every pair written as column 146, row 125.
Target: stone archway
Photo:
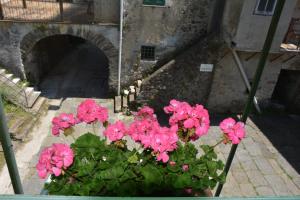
column 31, row 39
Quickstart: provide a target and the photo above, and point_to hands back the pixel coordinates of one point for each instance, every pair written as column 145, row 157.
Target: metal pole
column 9, row 153
column 61, row 10
column 245, row 78
column 1, row 11
column 24, row 4
column 120, row 46
column 257, row 77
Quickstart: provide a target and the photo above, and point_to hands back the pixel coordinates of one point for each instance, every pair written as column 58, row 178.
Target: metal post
column 120, row 46
column 61, row 10
column 24, row 4
column 245, row 78
column 1, row 11
column 257, row 77
column 9, row 153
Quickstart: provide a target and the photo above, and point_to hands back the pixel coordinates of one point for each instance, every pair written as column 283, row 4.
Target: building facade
column 167, row 43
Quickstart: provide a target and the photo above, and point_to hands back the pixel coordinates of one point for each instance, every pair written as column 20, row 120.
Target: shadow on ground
column 283, row 131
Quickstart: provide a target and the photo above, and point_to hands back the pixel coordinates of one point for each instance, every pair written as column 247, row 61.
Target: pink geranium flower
column 234, row 131
column 187, row 118
column 115, row 131
column 185, row 168
column 146, row 130
column 89, row 111
column 62, row 122
column 54, row 159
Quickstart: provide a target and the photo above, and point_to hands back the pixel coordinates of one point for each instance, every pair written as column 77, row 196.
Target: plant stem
column 218, row 143
column 94, row 130
column 73, row 176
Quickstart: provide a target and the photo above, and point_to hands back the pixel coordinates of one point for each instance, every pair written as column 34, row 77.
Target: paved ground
column 259, row 169
column 266, row 162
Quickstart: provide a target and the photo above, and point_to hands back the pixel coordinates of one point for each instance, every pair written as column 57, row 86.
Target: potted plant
column 164, row 162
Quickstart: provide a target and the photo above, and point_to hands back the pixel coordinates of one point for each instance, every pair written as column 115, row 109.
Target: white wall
column 252, row 29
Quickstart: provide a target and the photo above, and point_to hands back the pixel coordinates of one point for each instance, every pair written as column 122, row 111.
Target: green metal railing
column 18, row 197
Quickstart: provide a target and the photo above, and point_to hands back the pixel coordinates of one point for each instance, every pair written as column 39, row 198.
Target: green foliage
column 100, row 169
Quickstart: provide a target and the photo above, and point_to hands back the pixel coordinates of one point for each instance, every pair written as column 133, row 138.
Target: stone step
column 32, row 98
column 36, row 108
column 29, row 91
column 2, row 71
column 16, row 80
column 9, row 76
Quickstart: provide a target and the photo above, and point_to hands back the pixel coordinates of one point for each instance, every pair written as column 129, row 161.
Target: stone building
column 181, row 49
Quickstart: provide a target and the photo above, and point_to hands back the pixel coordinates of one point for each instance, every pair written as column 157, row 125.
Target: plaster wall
column 228, row 92
column 248, row 30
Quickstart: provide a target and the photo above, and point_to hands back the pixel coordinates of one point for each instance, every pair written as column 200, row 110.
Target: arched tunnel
column 62, row 66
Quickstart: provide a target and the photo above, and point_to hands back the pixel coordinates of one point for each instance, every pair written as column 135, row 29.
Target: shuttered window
column 154, row 2
column 265, row 7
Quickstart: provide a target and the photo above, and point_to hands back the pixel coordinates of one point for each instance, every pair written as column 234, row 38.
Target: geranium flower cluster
column 234, row 131
column 89, row 111
column 62, row 122
column 147, row 131
column 115, row 131
column 189, row 119
column 54, row 160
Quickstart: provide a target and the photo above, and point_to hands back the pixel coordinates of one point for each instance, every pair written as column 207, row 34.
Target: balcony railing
column 67, row 11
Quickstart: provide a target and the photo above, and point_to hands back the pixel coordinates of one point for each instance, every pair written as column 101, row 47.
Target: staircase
column 19, row 93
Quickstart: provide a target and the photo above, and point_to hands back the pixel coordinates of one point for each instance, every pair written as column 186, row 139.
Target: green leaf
column 152, row 175
column 133, row 159
column 127, row 176
column 198, row 170
column 86, row 168
column 112, row 173
column 212, row 167
column 88, row 140
column 183, row 181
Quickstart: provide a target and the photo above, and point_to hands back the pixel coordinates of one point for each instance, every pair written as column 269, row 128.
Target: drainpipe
column 120, row 45
column 245, row 78
column 9, row 153
column 257, row 77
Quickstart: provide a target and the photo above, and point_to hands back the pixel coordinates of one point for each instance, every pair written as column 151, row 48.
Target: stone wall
column 18, row 39
column 169, row 28
column 181, row 78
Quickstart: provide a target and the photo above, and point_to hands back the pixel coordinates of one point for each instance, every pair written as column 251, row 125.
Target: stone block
column 265, row 191
column 247, row 190
column 131, row 98
column 124, row 101
column 118, row 104
column 278, row 185
column 256, row 178
column 264, row 166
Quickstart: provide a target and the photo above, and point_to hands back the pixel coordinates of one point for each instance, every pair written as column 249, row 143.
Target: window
column 265, row 7
column 154, row 2
column 148, row 53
